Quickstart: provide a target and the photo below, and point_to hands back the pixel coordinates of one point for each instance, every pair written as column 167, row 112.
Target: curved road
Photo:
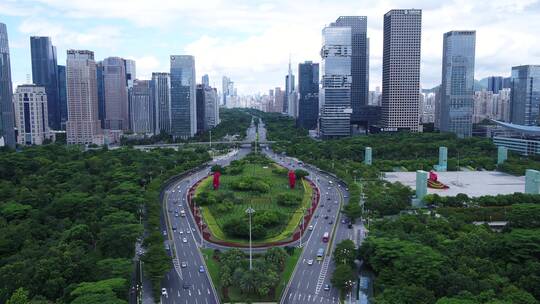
column 191, row 285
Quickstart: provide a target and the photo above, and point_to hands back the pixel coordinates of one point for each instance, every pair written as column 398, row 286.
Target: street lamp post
column 250, row 211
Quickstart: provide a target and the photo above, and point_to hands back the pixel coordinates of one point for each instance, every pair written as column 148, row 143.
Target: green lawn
column 277, row 182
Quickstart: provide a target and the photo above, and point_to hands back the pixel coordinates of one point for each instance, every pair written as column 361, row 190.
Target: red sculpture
column 292, row 179
column 434, row 183
column 216, row 180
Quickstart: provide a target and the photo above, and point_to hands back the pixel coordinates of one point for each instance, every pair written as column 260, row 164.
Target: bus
column 320, row 254
column 325, row 237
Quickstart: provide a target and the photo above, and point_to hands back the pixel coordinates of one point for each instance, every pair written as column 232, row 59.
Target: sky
column 251, row 40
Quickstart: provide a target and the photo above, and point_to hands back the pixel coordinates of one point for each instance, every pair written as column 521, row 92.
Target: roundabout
column 280, row 214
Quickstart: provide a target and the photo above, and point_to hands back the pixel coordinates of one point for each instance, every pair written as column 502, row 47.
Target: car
column 164, row 292
column 328, row 198
column 345, row 196
column 174, row 228
column 184, row 240
column 326, row 193
column 186, row 285
column 328, row 209
column 322, row 205
column 176, row 215
column 347, row 189
column 167, row 247
column 165, row 232
column 188, row 231
column 329, row 188
column 181, row 231
column 326, row 287
column 310, row 227
column 201, row 269
column 349, row 226
column 326, row 217
column 331, row 222
column 310, row 262
column 183, row 264
column 343, row 221
column 335, row 202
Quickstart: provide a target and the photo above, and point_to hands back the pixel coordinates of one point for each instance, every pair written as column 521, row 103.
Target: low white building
column 30, row 104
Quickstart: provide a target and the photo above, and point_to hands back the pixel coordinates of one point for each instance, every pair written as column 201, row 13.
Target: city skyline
column 245, row 39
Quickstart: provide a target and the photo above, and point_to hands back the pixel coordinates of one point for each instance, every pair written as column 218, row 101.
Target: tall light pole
column 250, row 211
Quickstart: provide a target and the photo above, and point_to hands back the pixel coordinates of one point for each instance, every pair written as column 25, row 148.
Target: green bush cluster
column 250, row 183
column 261, row 221
column 288, row 199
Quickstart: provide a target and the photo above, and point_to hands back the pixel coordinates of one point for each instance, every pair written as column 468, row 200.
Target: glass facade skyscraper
column 142, row 107
column 308, row 88
column 495, row 84
column 62, row 95
column 115, row 94
column 45, row 73
column 525, row 95
column 183, row 104
column 457, row 87
column 359, row 64
column 335, row 93
column 401, row 70
column 161, row 89
column 7, row 125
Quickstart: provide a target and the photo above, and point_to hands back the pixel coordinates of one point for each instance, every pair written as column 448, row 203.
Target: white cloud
column 251, row 40
column 146, row 65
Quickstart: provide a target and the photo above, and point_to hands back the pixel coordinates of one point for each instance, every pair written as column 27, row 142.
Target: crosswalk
column 322, row 275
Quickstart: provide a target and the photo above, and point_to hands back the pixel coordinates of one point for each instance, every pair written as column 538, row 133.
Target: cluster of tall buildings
column 96, row 102
column 334, row 98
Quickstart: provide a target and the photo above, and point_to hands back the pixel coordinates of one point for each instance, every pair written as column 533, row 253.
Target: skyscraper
column 525, row 95
column 359, row 64
column 201, row 108
column 401, row 69
column 115, row 94
column 62, row 97
column 101, row 93
column 205, row 80
column 288, row 102
column 212, row 107
column 161, row 88
column 495, row 83
column 7, row 129
column 335, row 93
column 279, row 99
column 83, row 125
column 30, row 102
column 142, row 107
column 308, row 88
column 183, row 104
column 45, row 73
column 227, row 89
column 131, row 71
column 457, row 85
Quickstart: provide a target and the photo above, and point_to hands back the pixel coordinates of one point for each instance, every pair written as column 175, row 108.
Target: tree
column 343, row 277
column 353, row 211
column 20, row 296
column 345, row 253
column 217, row 168
column 275, row 257
column 300, row 173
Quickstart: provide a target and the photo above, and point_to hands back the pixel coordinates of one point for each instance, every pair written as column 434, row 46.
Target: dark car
column 326, row 217
column 331, row 222
column 186, row 285
column 329, row 210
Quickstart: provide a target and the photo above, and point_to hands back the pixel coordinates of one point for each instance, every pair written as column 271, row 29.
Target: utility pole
column 250, row 211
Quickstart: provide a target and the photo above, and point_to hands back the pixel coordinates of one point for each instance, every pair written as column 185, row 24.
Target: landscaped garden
column 259, row 183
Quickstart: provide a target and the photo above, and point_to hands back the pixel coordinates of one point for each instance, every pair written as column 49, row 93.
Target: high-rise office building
column 335, row 92
column 7, row 126
column 45, row 73
column 457, row 85
column 308, row 89
column 279, row 99
column 131, row 71
column 205, row 80
column 30, row 102
column 401, row 69
column 525, row 95
column 101, row 93
column 201, row 108
column 115, row 94
column 183, row 104
column 288, row 101
column 495, row 83
column 161, row 88
column 228, row 90
column 62, row 95
column 83, row 125
column 142, row 107
column 359, row 65
column 211, row 101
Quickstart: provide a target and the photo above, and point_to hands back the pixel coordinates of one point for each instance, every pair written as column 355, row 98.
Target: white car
column 184, row 240
column 310, row 262
column 183, row 264
column 181, row 232
column 188, row 231
column 164, row 293
column 310, row 227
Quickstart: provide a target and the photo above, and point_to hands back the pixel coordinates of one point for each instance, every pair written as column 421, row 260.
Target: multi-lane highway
column 189, row 281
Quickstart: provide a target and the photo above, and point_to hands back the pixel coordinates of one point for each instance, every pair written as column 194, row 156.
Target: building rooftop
column 472, row 183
